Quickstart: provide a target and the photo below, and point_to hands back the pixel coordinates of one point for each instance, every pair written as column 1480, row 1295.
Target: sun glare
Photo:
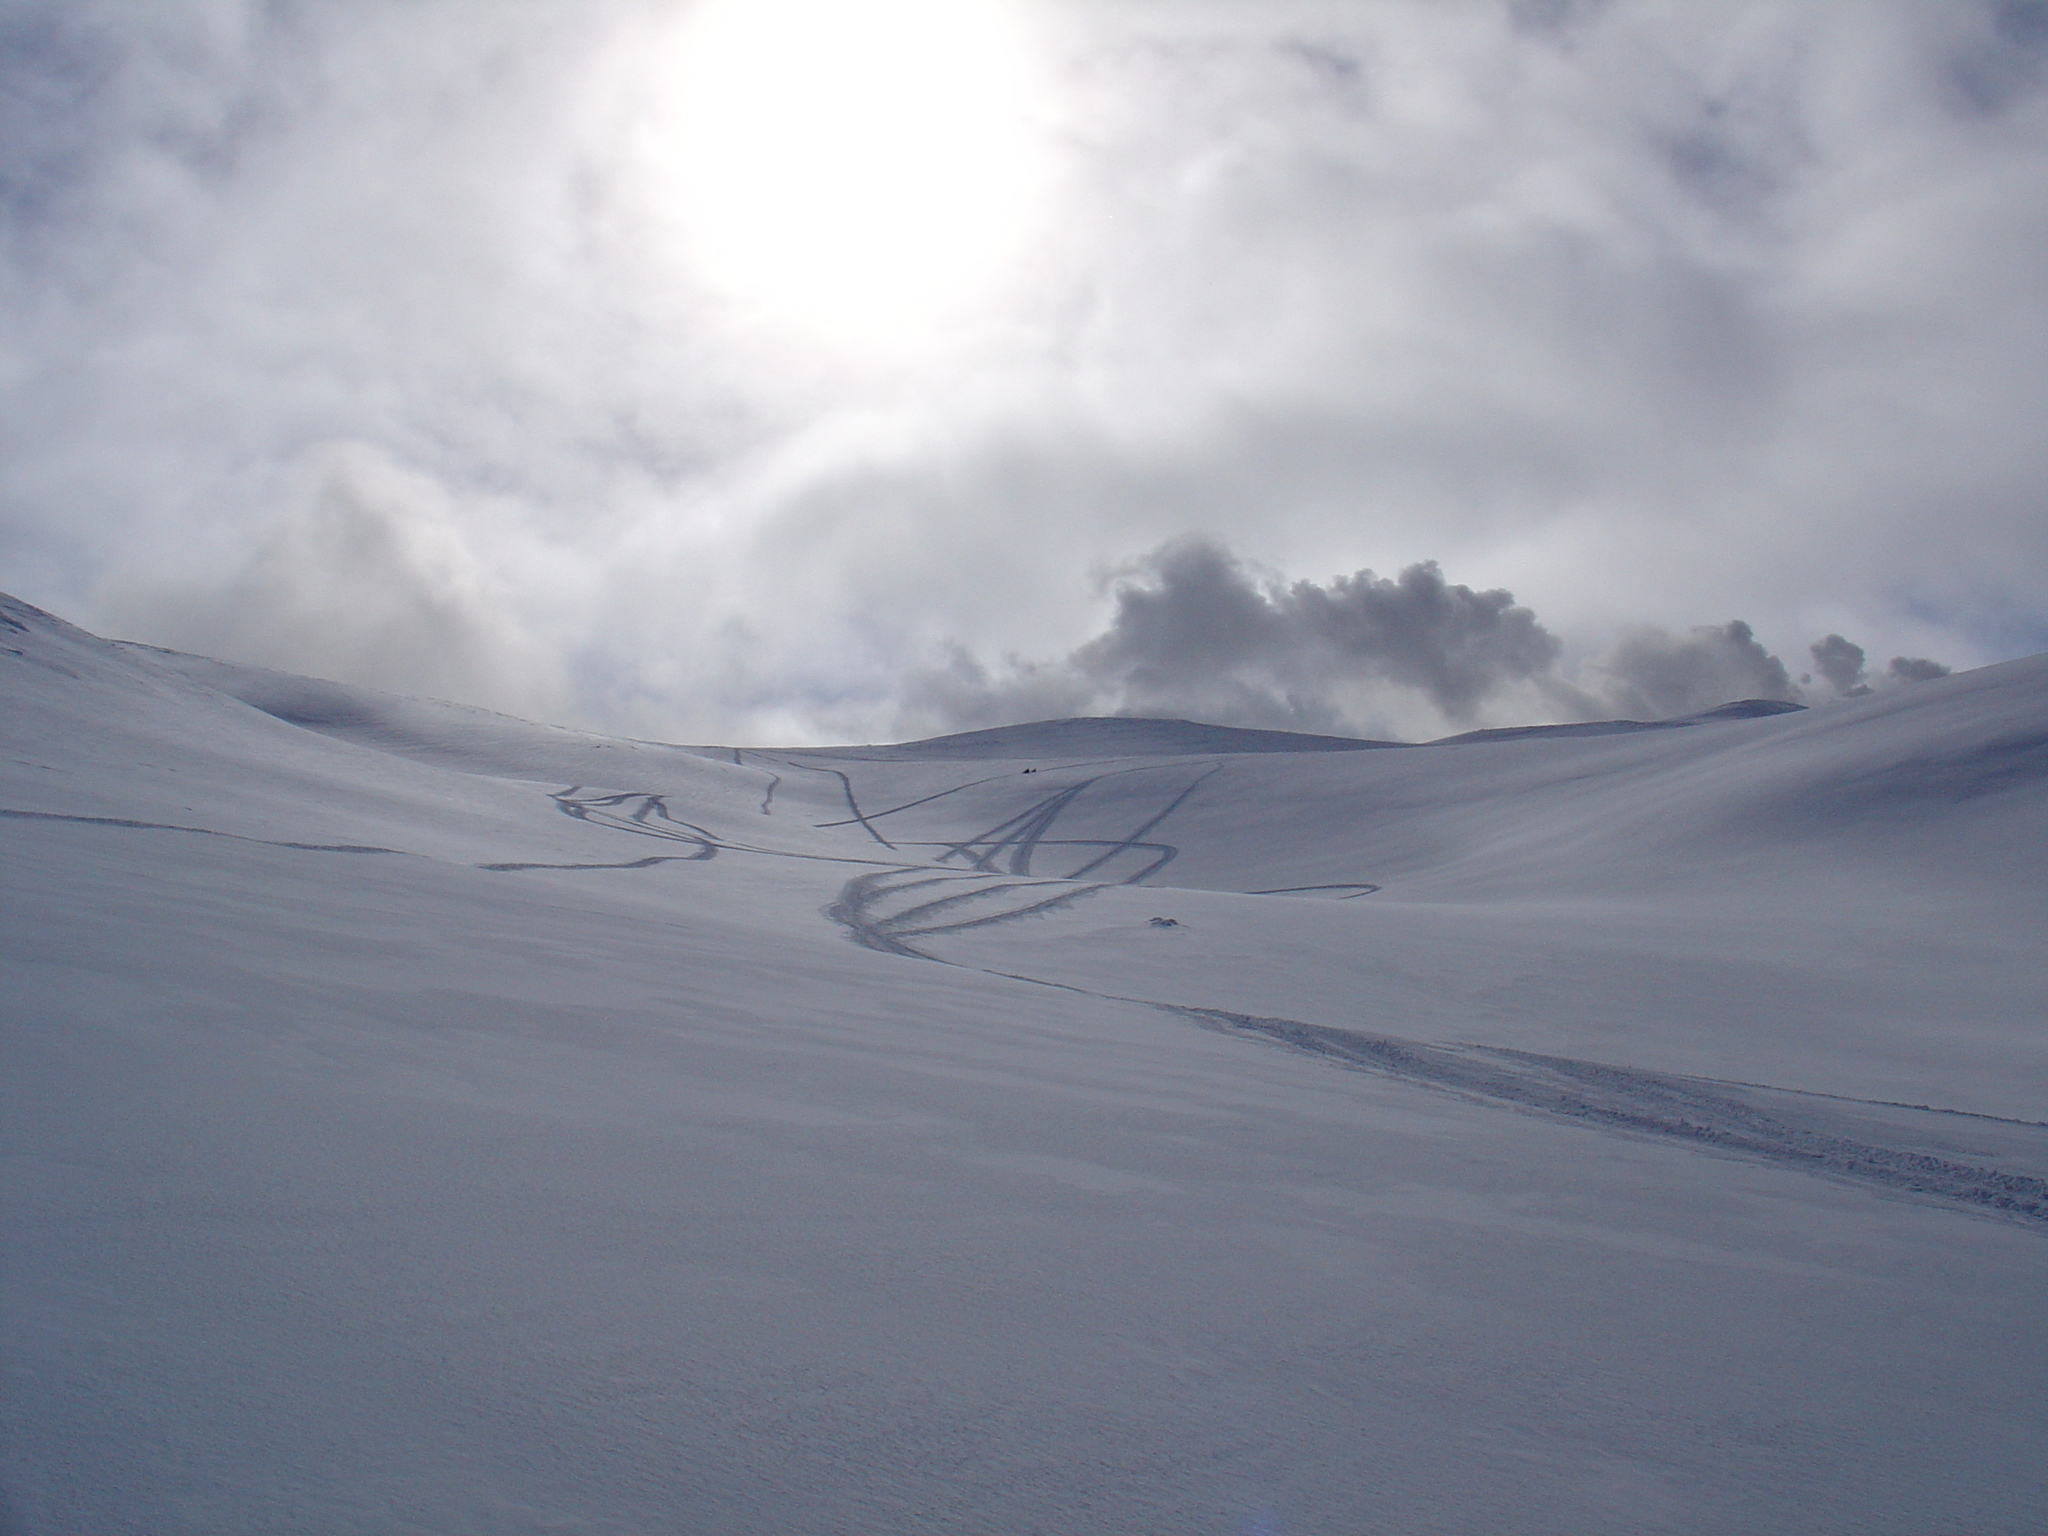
column 861, row 168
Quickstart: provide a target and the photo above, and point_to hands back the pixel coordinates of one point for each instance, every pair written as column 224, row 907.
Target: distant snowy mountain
column 1113, row 736
column 1120, row 736
column 420, row 1120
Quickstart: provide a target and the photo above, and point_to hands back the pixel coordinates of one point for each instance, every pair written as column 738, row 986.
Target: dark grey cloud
column 1914, row 669
column 1588, row 301
column 1195, row 632
column 1653, row 675
column 1202, row 616
column 1840, row 662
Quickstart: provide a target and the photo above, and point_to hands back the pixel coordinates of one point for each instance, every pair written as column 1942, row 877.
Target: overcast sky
column 782, row 370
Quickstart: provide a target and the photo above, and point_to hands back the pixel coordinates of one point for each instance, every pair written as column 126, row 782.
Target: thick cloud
column 1197, row 633
column 1914, row 669
column 1652, row 314
column 1203, row 621
column 1840, row 662
column 1652, row 675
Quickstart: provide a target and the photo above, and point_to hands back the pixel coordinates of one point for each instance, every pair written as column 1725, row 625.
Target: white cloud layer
column 380, row 340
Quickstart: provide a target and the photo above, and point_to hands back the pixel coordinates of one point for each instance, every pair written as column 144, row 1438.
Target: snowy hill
column 1103, row 737
column 417, row 1119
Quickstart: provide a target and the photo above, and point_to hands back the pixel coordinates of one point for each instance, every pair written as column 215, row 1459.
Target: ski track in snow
column 646, row 863
column 1700, row 1112
column 864, row 907
column 1304, row 890
column 1706, row 1114
column 886, row 910
column 648, row 815
column 1711, row 1115
column 852, row 804
column 165, row 826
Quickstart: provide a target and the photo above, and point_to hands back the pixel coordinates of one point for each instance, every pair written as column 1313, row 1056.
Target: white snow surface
column 417, row 1120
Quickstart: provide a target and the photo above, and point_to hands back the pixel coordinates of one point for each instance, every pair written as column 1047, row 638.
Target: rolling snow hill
column 421, row 1120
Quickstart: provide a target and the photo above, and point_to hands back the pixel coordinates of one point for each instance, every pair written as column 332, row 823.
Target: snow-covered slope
column 1111, row 736
column 421, row 1120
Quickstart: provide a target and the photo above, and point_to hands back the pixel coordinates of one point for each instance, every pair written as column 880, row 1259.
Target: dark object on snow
column 1165, row 922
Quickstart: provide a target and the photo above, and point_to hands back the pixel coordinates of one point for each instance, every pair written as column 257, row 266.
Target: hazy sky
column 822, row 369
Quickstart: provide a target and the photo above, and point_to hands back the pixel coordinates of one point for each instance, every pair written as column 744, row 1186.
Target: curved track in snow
column 872, row 910
column 903, row 908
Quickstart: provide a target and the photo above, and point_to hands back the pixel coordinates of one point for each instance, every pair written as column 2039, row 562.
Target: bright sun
column 861, row 168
